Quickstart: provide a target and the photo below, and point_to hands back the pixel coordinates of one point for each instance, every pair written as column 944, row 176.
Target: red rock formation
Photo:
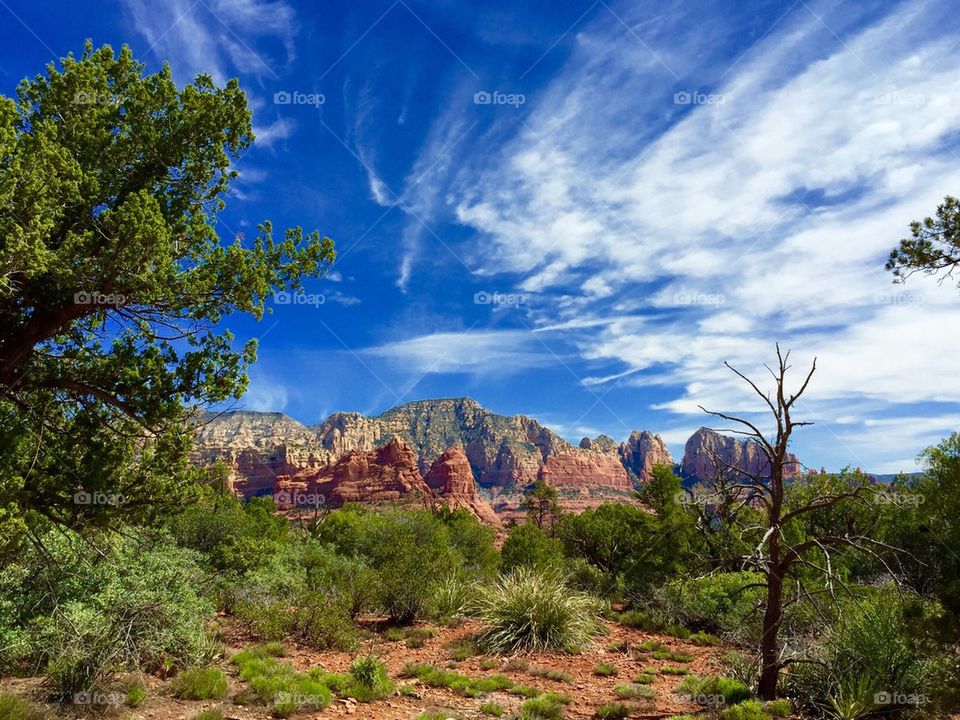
column 386, row 474
column 708, row 451
column 585, row 468
column 451, row 477
column 642, row 451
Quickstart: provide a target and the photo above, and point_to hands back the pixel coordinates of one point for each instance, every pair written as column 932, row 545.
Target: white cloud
column 219, row 37
column 494, row 352
column 265, row 395
column 764, row 217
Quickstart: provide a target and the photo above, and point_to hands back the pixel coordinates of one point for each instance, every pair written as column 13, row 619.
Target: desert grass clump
column 613, row 711
column 605, row 670
column 13, row 708
column 278, row 684
column 644, row 678
column 532, row 610
column 209, row 714
column 551, row 674
column 627, row 691
column 545, row 707
column 366, row 681
column 200, row 684
column 492, row 709
column 673, row 656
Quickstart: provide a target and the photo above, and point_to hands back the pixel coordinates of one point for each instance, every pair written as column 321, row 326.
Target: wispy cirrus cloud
column 221, row 37
column 681, row 209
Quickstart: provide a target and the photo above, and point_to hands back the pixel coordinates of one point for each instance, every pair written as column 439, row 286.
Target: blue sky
column 579, row 210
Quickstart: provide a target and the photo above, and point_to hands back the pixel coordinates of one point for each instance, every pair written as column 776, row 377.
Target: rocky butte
column 449, row 450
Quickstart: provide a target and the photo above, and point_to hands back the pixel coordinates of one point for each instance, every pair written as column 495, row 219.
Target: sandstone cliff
column 467, row 453
column 643, row 450
column 451, row 477
column 708, row 452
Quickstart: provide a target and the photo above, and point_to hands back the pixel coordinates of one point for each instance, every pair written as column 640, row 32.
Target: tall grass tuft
column 531, row 610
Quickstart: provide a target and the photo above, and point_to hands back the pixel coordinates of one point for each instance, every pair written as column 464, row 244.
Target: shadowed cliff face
column 431, row 446
column 708, row 453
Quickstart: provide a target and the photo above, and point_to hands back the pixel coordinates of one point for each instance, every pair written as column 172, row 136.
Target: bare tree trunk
column 769, row 644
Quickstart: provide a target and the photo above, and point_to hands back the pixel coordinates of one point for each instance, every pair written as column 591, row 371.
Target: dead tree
column 764, row 488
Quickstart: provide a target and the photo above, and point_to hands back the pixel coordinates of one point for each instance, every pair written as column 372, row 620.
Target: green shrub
column 234, row 537
column 642, row 619
column 530, row 610
column 674, row 671
column 875, row 645
column 407, row 549
column 528, row 546
column 747, row 710
column 644, row 678
column 613, row 711
column 492, row 709
column 200, row 684
column 605, row 670
column 142, row 612
column 778, row 708
column 13, row 708
column 715, row 603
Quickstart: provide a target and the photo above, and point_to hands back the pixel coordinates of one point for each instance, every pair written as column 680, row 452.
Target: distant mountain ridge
column 504, row 453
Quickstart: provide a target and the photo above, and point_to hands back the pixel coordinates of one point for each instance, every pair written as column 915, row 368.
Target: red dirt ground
column 587, row 690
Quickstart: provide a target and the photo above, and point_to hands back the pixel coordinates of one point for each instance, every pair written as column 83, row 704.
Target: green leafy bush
column 144, row 612
column 234, row 537
column 530, row 547
column 717, row 603
column 876, row 645
column 531, row 610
